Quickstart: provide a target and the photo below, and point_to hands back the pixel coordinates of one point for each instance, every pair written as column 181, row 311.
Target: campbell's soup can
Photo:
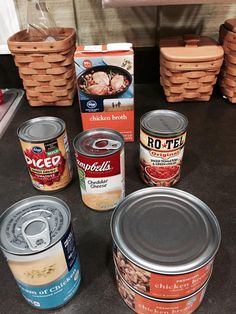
column 143, row 304
column 37, row 239
column 162, row 140
column 165, row 242
column 46, row 150
column 100, row 162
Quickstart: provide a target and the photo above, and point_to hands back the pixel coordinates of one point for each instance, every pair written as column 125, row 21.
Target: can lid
column 165, row 230
column 33, row 224
column 164, row 122
column 41, row 129
column 98, row 142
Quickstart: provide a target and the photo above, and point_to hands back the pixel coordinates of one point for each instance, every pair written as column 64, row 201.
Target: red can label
column 161, row 158
column 48, row 163
column 158, row 285
column 143, row 305
column 101, row 180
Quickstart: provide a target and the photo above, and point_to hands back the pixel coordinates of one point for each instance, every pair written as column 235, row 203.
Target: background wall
column 141, row 25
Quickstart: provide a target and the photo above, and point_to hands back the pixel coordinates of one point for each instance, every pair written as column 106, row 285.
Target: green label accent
column 82, row 178
column 53, row 152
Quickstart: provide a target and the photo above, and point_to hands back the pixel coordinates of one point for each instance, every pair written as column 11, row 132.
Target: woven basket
column 46, row 68
column 227, row 38
column 188, row 73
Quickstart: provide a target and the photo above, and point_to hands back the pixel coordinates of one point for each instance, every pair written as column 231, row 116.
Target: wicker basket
column 189, row 66
column 46, row 68
column 227, row 38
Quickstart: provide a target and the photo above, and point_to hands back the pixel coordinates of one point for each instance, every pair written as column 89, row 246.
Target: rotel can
column 162, row 140
column 142, row 304
column 37, row 239
column 100, row 162
column 165, row 242
column 46, row 150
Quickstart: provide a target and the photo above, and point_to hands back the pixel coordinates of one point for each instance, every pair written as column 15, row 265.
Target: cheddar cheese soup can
column 165, row 242
column 100, row 162
column 162, row 140
column 142, row 304
column 46, row 150
column 37, row 239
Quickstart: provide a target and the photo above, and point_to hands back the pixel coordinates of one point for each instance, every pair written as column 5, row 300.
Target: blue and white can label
column 48, row 279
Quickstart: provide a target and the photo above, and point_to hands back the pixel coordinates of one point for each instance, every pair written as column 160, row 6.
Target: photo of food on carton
column 105, row 83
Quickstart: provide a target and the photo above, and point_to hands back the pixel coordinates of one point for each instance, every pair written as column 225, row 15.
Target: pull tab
column 104, row 143
column 36, row 233
column 191, row 40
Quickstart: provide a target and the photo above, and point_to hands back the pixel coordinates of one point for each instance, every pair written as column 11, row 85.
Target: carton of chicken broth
column 105, row 82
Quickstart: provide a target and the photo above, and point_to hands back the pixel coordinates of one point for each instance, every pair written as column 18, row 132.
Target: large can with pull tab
column 37, row 239
column 100, row 162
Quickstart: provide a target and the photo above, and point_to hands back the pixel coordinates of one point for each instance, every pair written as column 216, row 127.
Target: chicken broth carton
column 105, row 82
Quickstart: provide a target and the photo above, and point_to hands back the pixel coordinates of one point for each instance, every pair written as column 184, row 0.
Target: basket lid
column 230, row 25
column 190, row 48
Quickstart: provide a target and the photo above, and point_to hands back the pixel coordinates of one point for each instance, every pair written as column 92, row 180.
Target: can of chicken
column 37, row 239
column 165, row 241
column 46, row 150
column 100, row 162
column 143, row 304
column 162, row 140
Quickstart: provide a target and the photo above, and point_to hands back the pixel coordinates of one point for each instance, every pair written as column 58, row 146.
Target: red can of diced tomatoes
column 100, row 162
column 162, row 140
column 46, row 150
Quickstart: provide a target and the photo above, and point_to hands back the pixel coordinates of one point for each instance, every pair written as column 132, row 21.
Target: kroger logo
column 37, row 149
column 91, row 104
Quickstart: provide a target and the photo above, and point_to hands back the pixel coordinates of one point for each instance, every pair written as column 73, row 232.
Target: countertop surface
column 208, row 172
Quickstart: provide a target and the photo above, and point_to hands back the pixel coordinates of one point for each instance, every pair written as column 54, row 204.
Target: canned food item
column 37, row 239
column 162, row 140
column 165, row 241
column 46, row 150
column 142, row 304
column 100, row 162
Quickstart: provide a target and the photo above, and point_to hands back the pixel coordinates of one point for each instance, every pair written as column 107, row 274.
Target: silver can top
column 164, row 122
column 98, row 142
column 165, row 230
column 41, row 129
column 33, row 224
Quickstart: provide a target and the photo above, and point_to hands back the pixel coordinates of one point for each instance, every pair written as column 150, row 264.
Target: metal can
column 100, row 162
column 162, row 140
column 37, row 239
column 46, row 150
column 165, row 241
column 143, row 304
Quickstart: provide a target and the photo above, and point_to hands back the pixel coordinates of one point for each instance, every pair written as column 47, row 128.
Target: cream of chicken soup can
column 165, row 241
column 37, row 239
column 100, row 162
column 162, row 140
column 46, row 150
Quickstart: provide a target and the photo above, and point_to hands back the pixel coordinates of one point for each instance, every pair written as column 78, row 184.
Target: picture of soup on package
column 105, row 82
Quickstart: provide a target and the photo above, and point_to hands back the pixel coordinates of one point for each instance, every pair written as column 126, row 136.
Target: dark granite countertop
column 208, row 172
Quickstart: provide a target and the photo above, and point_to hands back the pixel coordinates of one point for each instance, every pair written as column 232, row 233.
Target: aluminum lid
column 41, row 129
column 33, row 224
column 165, row 230
column 164, row 122
column 98, row 142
